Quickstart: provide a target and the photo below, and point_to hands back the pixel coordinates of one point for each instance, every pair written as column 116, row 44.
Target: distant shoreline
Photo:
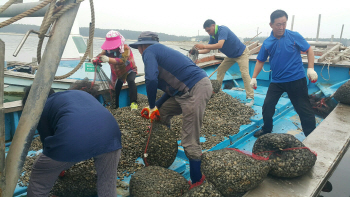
column 178, row 43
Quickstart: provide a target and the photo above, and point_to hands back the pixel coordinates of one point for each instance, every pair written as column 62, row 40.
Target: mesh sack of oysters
column 205, row 189
column 78, row 181
column 157, row 181
column 216, row 86
column 161, row 146
column 232, row 172
column 342, row 94
column 287, row 155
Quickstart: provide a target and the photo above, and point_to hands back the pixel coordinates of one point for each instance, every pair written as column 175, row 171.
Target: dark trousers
column 130, row 79
column 298, row 94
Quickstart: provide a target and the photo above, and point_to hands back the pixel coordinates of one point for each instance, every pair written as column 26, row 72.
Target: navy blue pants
column 298, row 94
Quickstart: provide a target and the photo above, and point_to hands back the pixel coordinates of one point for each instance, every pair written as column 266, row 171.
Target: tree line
column 84, row 31
column 133, row 35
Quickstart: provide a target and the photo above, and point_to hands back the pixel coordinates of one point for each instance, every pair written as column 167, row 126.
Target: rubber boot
column 195, row 170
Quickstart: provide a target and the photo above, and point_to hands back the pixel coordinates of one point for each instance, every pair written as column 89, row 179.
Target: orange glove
column 145, row 112
column 152, row 114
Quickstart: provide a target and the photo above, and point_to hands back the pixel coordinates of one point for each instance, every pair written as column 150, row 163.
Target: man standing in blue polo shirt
column 222, row 38
column 187, row 91
column 288, row 75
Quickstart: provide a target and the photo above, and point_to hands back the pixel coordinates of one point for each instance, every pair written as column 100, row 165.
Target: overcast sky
column 186, row 17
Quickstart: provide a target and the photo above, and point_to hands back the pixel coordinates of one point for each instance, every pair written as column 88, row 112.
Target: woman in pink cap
column 123, row 67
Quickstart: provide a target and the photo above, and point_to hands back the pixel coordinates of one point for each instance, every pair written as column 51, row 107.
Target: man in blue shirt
column 75, row 127
column 187, row 91
column 288, row 75
column 222, row 38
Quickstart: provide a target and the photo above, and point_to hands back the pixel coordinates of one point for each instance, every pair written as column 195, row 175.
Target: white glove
column 93, row 59
column 104, row 58
column 312, row 75
column 254, row 83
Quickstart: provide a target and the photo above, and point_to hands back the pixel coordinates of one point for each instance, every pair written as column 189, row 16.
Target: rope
column 265, row 70
column 257, row 157
column 43, row 29
column 328, row 61
column 91, row 37
column 23, row 65
column 24, row 14
column 145, row 153
column 48, row 20
column 6, row 5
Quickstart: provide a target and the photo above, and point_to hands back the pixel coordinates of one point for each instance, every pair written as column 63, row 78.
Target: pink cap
column 113, row 40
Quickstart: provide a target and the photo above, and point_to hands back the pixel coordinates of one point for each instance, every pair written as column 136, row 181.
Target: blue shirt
column 285, row 59
column 232, row 47
column 74, row 127
column 170, row 71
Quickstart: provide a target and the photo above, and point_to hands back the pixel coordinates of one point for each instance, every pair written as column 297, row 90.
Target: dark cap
column 146, row 37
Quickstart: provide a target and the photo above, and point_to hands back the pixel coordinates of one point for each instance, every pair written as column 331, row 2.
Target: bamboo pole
column 291, row 28
column 318, row 27
column 251, row 39
column 341, row 33
column 213, row 72
column 37, row 98
column 2, row 117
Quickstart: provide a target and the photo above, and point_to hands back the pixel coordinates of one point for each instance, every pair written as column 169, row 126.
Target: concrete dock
column 330, row 140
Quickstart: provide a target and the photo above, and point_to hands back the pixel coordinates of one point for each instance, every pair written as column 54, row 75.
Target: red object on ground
column 62, row 173
column 200, row 182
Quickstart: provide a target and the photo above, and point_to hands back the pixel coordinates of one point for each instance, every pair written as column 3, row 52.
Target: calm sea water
column 340, row 178
column 29, row 49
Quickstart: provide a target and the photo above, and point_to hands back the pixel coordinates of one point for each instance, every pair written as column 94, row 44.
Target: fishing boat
column 21, row 74
column 330, row 139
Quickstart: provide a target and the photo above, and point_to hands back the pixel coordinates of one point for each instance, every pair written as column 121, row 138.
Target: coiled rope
column 49, row 19
column 91, row 37
column 7, row 4
column 24, row 14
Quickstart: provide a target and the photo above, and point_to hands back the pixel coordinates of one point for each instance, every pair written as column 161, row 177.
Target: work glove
column 96, row 61
column 312, row 75
column 254, row 83
column 104, row 58
column 152, row 114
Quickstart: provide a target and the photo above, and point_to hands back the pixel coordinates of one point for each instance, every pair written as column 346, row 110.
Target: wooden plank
column 255, row 50
column 330, row 140
column 209, row 63
column 29, row 76
column 13, row 106
column 253, row 45
column 329, row 52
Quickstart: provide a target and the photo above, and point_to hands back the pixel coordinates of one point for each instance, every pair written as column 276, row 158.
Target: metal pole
column 291, row 28
column 37, row 98
column 16, row 9
column 341, row 33
column 2, row 117
column 318, row 27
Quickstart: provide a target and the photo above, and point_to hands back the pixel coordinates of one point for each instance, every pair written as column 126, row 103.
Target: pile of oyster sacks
column 228, row 172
